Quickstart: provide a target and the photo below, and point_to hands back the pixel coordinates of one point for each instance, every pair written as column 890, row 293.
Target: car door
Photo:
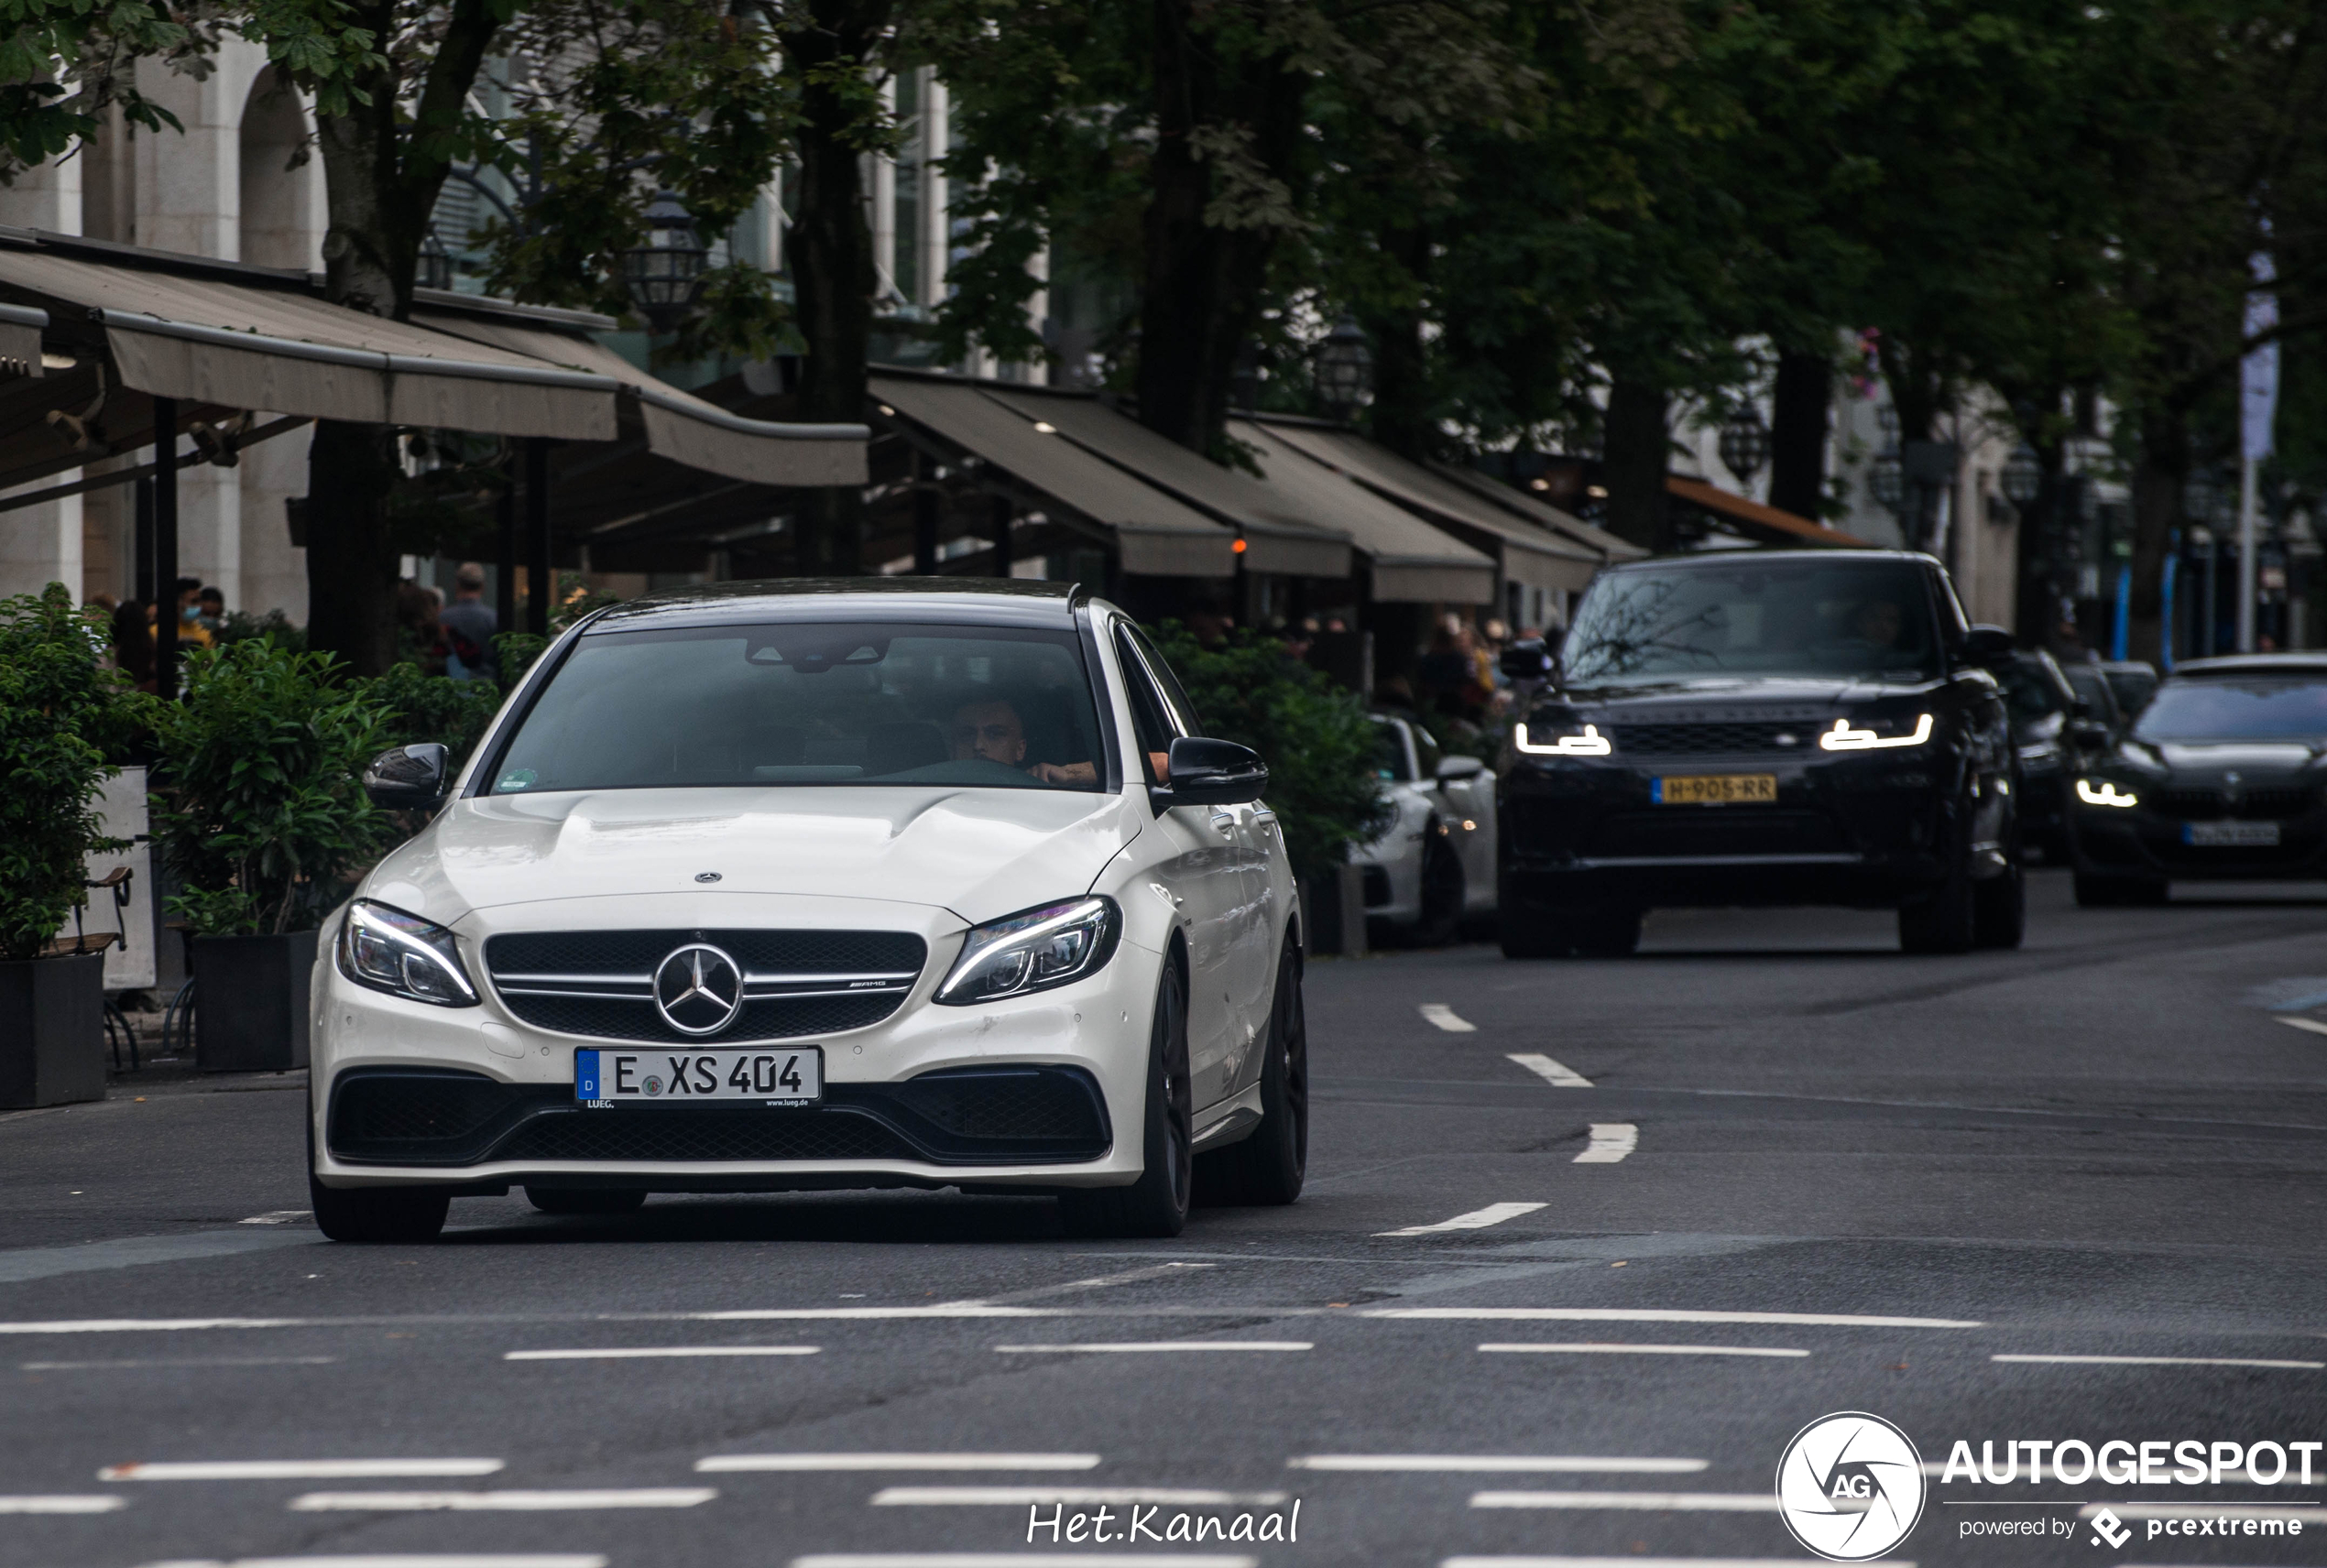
column 1987, row 730
column 1467, row 809
column 1202, row 872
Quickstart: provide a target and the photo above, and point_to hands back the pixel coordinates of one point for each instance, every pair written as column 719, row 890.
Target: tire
column 586, row 1200
column 1942, row 919
column 2096, row 892
column 378, row 1216
column 1999, row 909
column 1268, row 1168
column 1157, row 1204
column 1442, row 894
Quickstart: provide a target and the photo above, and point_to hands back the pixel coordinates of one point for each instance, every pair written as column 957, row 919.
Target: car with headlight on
column 1761, row 727
column 1434, row 865
column 2051, row 732
column 763, row 886
column 2221, row 778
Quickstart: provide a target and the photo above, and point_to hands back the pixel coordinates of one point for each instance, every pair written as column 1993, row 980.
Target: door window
column 1152, row 720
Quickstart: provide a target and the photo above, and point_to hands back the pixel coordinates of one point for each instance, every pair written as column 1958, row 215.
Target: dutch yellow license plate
column 1714, row 790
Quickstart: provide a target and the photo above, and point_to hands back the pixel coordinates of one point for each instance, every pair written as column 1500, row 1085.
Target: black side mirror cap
column 1987, row 646
column 1206, row 772
column 411, row 778
column 1529, row 659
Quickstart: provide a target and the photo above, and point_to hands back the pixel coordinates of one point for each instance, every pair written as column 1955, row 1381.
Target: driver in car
column 993, row 732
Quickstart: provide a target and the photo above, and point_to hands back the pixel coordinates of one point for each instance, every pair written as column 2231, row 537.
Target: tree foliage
column 60, row 715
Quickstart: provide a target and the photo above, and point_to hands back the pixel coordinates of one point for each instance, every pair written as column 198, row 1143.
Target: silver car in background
column 1435, row 863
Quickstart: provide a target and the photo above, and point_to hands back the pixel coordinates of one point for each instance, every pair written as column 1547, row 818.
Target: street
column 1568, row 1308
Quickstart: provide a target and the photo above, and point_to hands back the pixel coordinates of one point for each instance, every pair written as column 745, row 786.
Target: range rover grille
column 1713, row 740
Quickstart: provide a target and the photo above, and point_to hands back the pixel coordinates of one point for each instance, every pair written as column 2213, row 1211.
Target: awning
column 1412, row 562
column 1566, row 524
column 679, row 425
column 1531, row 556
column 240, row 345
column 1278, row 537
column 1756, row 522
column 1155, row 534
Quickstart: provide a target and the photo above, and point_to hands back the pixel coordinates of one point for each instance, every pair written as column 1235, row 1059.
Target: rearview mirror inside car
column 409, row 778
column 1206, row 772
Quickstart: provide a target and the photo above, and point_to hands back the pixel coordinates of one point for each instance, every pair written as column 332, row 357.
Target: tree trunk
column 2037, row 607
column 2158, row 475
column 830, row 250
column 1797, row 433
column 1400, row 417
column 1204, row 278
column 1634, row 454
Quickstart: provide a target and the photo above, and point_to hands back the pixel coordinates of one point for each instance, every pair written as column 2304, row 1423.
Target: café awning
column 1412, row 561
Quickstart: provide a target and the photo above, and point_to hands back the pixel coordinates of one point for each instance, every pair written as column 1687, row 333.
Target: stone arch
column 277, row 219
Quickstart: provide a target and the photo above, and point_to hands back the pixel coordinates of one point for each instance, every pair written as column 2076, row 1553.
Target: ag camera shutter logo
column 1850, row 1486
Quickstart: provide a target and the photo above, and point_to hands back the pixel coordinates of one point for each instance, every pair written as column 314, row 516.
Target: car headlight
column 404, row 955
column 1034, row 950
column 2102, row 793
column 1844, row 737
column 1563, row 741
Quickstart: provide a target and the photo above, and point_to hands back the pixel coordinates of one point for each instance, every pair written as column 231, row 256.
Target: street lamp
column 664, row 274
column 1888, row 481
column 1744, row 443
column 1345, row 368
column 2023, row 475
column 436, row 262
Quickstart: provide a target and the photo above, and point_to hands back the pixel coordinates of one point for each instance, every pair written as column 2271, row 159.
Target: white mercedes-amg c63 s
column 762, row 887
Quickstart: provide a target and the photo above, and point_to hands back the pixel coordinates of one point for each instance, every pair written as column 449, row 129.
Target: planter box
column 52, row 1031
column 251, row 1002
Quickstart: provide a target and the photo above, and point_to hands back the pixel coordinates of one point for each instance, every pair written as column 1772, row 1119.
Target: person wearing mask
column 469, row 624
column 191, row 633
column 213, row 611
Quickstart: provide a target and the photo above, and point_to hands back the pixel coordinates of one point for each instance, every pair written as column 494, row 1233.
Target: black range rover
column 1757, row 728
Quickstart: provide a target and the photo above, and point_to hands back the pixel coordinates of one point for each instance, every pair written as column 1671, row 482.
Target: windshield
column 2028, row 691
column 823, row 703
column 2243, row 709
column 1758, row 616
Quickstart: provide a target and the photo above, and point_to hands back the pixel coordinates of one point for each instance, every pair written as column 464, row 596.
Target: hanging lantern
column 664, row 275
column 1888, row 481
column 436, row 262
column 1744, row 443
column 1345, row 369
column 2023, row 475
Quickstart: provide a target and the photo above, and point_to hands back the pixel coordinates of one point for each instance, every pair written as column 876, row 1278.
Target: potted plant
column 259, row 810
column 60, row 711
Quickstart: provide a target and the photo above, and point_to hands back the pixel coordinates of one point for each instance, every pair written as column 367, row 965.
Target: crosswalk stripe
column 1610, row 1141
column 1550, row 1072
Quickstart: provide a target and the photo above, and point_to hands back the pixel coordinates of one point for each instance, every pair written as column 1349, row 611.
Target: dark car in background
column 2063, row 716
column 2221, row 778
column 1762, row 727
column 2133, row 681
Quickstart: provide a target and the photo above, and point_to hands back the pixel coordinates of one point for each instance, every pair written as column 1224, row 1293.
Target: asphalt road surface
column 1585, row 1246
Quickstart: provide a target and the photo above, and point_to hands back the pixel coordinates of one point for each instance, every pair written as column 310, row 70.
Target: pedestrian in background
column 132, row 644
column 191, row 633
column 469, row 624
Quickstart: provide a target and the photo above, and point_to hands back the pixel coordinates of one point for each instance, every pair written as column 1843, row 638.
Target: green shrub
column 60, row 712
column 417, row 706
column 513, row 655
column 1314, row 735
column 258, row 803
column 274, row 626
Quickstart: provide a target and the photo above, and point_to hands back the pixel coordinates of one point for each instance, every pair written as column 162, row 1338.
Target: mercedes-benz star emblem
column 698, row 989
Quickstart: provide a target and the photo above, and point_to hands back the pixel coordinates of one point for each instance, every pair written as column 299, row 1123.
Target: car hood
column 2213, row 761
column 980, row 853
column 1721, row 698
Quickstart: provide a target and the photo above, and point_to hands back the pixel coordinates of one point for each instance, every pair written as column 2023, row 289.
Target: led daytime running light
column 1591, row 743
column 403, row 956
column 2104, row 794
column 1055, row 945
column 1841, row 738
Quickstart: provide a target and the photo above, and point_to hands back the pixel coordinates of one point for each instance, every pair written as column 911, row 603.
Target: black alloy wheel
column 1443, row 891
column 1269, row 1166
column 587, row 1199
column 2000, row 909
column 1157, row 1204
column 1942, row 919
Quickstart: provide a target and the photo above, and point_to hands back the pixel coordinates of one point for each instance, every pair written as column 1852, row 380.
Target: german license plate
column 785, row 1075
column 1714, row 790
column 2219, row 835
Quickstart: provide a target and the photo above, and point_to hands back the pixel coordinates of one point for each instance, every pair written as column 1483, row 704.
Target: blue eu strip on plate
column 585, row 1075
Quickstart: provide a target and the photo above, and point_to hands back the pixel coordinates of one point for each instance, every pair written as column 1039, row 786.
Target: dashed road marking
column 1610, row 1141
column 1496, row 1463
column 722, row 1464
column 1447, row 1018
column 279, row 1216
column 1020, row 1559
column 1633, row 1502
column 2312, row 1025
column 179, row 1361
column 65, row 1505
column 1141, row 1347
column 1645, row 1562
column 406, row 1560
column 1656, row 1314
column 2162, row 1361
column 501, row 1502
column 295, row 1469
column 657, row 1352
column 1477, row 1219
column 1614, row 1349
column 1551, row 1072
column 144, row 1325
column 1069, row 1497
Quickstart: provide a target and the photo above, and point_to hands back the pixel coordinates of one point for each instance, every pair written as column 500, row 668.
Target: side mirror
column 1987, row 646
column 2092, row 734
column 409, row 778
column 1460, row 768
column 1528, row 659
column 1210, row 773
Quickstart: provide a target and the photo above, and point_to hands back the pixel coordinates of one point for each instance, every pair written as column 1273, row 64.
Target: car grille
column 1719, row 831
column 2252, row 805
column 1706, row 740
column 796, row 983
column 1002, row 1115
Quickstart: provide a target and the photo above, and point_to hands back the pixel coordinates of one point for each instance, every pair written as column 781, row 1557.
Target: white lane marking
column 1477, row 1219
column 2313, row 1515
column 1070, row 1497
column 1610, row 1141
column 181, row 1361
column 97, row 1505
column 648, row 1352
column 294, row 1469
column 2162, row 1361
column 1646, row 1563
column 405, row 1560
column 1141, row 1347
column 141, row 1326
column 1496, row 1463
column 1446, row 1019
column 19, row 1264
column 1655, row 1314
column 1551, row 1072
column 1097, row 1282
column 501, row 1502
column 1607, row 1348
column 1020, row 1559
column 279, row 1216
column 720, row 1464
column 1634, row 1502
column 940, row 1310
column 2311, row 1024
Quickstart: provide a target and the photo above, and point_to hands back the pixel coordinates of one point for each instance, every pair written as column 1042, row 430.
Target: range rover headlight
column 1034, row 950
column 1845, row 736
column 403, row 956
column 2101, row 792
column 1563, row 740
